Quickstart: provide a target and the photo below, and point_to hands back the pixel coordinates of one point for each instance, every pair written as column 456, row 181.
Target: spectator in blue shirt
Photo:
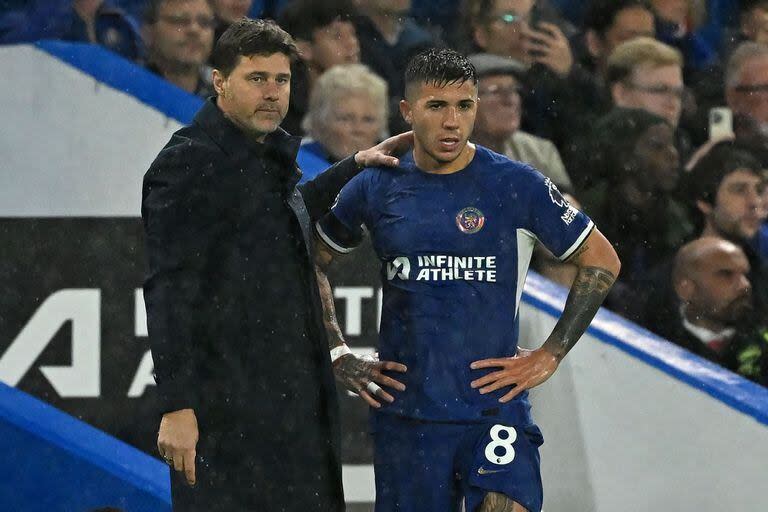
column 88, row 21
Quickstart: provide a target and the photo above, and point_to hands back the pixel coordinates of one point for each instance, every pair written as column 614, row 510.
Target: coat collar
column 279, row 144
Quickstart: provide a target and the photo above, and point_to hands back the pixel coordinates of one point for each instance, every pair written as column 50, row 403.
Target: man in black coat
column 250, row 419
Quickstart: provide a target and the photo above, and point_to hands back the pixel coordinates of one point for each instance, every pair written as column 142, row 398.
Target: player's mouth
column 448, row 143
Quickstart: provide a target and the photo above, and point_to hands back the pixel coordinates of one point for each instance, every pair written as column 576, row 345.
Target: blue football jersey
column 455, row 250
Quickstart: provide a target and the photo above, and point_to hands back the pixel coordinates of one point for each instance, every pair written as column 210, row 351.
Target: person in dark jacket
column 234, row 306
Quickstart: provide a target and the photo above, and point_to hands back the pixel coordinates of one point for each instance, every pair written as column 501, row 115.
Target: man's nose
column 451, row 119
column 271, row 91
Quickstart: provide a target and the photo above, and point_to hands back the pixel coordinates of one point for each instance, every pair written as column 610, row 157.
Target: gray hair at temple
column 745, row 52
column 337, row 84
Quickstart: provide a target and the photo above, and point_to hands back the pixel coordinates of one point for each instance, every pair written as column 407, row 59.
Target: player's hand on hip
column 364, row 376
column 177, row 441
column 524, row 371
column 385, row 152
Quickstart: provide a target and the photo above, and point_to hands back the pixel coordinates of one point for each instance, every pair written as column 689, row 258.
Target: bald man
column 710, row 278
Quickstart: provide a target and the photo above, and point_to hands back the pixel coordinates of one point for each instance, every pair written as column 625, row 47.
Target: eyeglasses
column 497, row 91
column 206, row 22
column 750, row 89
column 510, row 17
column 659, row 90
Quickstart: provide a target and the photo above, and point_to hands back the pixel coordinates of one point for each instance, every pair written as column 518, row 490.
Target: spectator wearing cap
column 325, row 36
column 347, row 113
column 499, row 111
column 179, row 38
column 89, row 21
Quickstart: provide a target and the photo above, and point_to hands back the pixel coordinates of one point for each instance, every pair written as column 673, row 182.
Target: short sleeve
column 559, row 225
column 342, row 228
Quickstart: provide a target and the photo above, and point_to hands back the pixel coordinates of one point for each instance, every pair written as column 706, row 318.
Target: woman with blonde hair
column 347, row 113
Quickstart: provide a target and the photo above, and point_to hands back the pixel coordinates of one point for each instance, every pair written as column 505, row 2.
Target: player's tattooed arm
column 598, row 267
column 497, row 502
column 335, row 337
column 357, row 374
column 589, row 289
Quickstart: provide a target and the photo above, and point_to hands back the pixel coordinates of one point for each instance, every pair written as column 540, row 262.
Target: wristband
column 337, row 352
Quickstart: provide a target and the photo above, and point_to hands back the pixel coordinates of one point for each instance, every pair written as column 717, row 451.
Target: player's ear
column 684, row 288
column 405, row 111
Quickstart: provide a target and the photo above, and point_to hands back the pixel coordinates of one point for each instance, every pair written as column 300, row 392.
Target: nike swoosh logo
column 483, row 471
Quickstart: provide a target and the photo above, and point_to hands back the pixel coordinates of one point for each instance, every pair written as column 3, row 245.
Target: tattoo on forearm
column 335, row 337
column 497, row 502
column 589, row 289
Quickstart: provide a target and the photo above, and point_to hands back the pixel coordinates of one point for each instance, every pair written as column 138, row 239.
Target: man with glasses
column 647, row 74
column 179, row 39
column 746, row 93
column 644, row 73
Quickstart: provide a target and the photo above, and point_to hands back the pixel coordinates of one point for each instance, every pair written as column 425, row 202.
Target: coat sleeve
column 175, row 215
column 320, row 193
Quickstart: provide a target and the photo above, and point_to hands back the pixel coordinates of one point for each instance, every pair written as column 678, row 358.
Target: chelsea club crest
column 470, row 220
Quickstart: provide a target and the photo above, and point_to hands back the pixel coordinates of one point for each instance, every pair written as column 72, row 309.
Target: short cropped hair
column 601, row 14
column 703, row 182
column 746, row 51
column 338, row 83
column 638, row 51
column 247, row 37
column 301, row 18
column 439, row 67
column 152, row 9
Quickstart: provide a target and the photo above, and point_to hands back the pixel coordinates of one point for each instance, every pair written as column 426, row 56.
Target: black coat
column 234, row 317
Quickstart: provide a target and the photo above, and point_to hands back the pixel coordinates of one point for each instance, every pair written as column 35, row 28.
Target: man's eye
column 434, row 107
column 257, row 79
column 282, row 80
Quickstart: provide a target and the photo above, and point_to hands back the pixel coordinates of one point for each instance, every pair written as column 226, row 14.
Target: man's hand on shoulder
column 177, row 441
column 363, row 375
column 385, row 153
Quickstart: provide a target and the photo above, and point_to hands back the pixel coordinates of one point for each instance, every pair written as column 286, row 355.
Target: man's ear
column 594, row 44
column 405, row 111
column 619, row 94
column 704, row 207
column 305, row 49
column 685, row 288
column 218, row 83
column 480, row 36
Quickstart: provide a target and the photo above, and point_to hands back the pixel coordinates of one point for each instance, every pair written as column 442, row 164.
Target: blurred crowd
column 652, row 115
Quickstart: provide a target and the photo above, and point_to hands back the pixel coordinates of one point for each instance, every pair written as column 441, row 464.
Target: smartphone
column 720, row 123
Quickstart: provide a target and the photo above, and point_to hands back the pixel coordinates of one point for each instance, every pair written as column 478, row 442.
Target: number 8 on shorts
column 501, row 439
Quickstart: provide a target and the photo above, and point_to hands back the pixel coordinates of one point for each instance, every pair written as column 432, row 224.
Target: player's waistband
column 517, row 412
